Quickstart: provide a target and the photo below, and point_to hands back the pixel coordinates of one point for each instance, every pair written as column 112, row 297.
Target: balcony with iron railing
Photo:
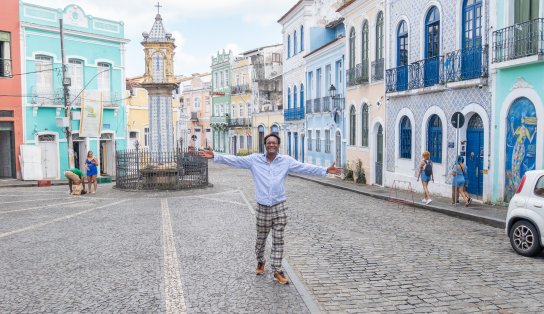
column 317, row 105
column 5, row 68
column 326, row 101
column 519, row 41
column 239, row 122
column 219, row 120
column 377, row 70
column 294, row 114
column 46, row 96
column 357, row 75
column 240, row 89
column 455, row 66
column 309, row 106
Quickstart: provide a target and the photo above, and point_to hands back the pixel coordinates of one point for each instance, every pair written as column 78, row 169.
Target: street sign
column 458, row 120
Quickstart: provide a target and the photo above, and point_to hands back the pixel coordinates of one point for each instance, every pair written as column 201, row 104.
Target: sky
column 201, row 28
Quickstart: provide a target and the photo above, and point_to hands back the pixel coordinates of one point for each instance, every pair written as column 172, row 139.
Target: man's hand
column 334, row 170
column 206, row 153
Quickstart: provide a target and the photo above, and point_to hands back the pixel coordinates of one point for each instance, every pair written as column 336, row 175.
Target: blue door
column 302, row 150
column 475, row 155
column 432, row 47
column 296, row 145
column 471, row 54
column 402, row 57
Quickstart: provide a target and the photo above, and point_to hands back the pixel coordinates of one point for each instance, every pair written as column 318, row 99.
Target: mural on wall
column 520, row 144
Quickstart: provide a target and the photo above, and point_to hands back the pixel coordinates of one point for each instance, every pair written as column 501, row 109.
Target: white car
column 525, row 218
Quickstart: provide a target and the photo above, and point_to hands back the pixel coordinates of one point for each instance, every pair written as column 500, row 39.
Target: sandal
column 469, row 200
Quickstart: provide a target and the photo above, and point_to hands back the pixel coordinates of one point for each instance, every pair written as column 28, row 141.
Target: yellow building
column 239, row 122
column 365, row 103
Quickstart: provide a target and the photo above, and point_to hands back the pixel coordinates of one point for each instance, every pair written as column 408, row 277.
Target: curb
column 491, row 221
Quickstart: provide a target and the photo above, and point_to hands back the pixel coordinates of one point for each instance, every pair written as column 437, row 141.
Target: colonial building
column 221, row 105
column 197, row 104
column 239, row 122
column 296, row 24
column 94, row 50
column 437, row 64
column 325, row 92
column 518, row 94
column 266, row 111
column 11, row 119
column 365, row 22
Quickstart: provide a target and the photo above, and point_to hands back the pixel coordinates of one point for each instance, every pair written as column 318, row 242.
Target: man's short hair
column 274, row 135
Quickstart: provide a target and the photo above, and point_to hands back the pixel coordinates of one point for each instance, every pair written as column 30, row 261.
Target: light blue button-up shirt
column 269, row 177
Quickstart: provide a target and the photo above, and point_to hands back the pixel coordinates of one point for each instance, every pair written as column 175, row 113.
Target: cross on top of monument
column 158, row 6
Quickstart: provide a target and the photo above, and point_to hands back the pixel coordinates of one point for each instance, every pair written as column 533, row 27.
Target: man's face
column 271, row 145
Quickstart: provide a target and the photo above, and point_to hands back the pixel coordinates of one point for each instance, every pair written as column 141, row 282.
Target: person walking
column 458, row 173
column 269, row 171
column 75, row 181
column 90, row 164
column 426, row 175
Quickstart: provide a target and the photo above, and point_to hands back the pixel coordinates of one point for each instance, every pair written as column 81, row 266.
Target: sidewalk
column 487, row 214
column 491, row 215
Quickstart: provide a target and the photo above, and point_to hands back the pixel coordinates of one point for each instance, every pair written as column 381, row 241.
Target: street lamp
column 332, row 91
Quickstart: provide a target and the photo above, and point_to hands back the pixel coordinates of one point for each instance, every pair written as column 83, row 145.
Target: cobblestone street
column 193, row 251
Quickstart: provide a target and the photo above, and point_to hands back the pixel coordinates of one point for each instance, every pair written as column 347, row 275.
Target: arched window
column 301, row 95
column 301, row 37
column 295, row 41
column 379, row 36
column 402, row 44
column 432, row 46
column 288, row 98
column 364, row 126
column 402, row 56
column 261, row 138
column 352, row 126
column 364, row 51
column 275, row 130
column 471, row 62
column 288, row 46
column 405, row 138
column 434, row 138
column 295, row 96
column 352, row 48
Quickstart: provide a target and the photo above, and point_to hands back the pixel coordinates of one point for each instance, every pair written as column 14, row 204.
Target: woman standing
column 426, row 174
column 458, row 182
column 90, row 164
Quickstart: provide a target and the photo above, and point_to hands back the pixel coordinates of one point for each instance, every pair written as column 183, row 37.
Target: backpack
column 428, row 169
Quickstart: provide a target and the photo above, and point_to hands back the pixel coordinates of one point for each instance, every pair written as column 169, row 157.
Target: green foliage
column 243, row 152
column 348, row 172
column 360, row 176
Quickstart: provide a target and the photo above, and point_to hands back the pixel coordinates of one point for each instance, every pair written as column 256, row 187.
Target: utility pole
column 65, row 84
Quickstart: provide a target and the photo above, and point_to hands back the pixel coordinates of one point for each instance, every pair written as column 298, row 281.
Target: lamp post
column 332, row 91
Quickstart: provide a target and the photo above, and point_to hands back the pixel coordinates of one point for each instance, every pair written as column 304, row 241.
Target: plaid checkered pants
column 275, row 218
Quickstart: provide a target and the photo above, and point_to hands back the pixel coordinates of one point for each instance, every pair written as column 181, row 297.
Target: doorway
column 338, row 153
column 107, row 155
column 7, row 150
column 50, row 155
column 379, row 156
column 475, row 155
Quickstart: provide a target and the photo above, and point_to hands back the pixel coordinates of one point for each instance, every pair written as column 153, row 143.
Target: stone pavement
column 477, row 211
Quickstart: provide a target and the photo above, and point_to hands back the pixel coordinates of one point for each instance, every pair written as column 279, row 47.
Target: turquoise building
column 518, row 93
column 94, row 51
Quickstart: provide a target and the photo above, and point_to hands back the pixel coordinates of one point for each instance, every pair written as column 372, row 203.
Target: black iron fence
column 518, row 41
column 141, row 169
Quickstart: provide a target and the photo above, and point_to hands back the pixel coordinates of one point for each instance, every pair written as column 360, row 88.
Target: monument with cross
column 159, row 81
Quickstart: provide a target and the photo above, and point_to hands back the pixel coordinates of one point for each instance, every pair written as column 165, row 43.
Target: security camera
column 480, row 86
column 387, row 98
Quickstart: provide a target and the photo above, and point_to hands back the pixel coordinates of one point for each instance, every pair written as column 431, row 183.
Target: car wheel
column 525, row 239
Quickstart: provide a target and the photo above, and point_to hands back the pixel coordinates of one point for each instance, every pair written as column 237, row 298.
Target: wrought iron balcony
column 455, row 66
column 5, row 68
column 317, row 105
column 377, row 70
column 326, row 104
column 46, row 96
column 309, row 106
column 219, row 120
column 357, row 75
column 239, row 122
column 294, row 113
column 194, row 116
column 518, row 41
column 240, row 89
